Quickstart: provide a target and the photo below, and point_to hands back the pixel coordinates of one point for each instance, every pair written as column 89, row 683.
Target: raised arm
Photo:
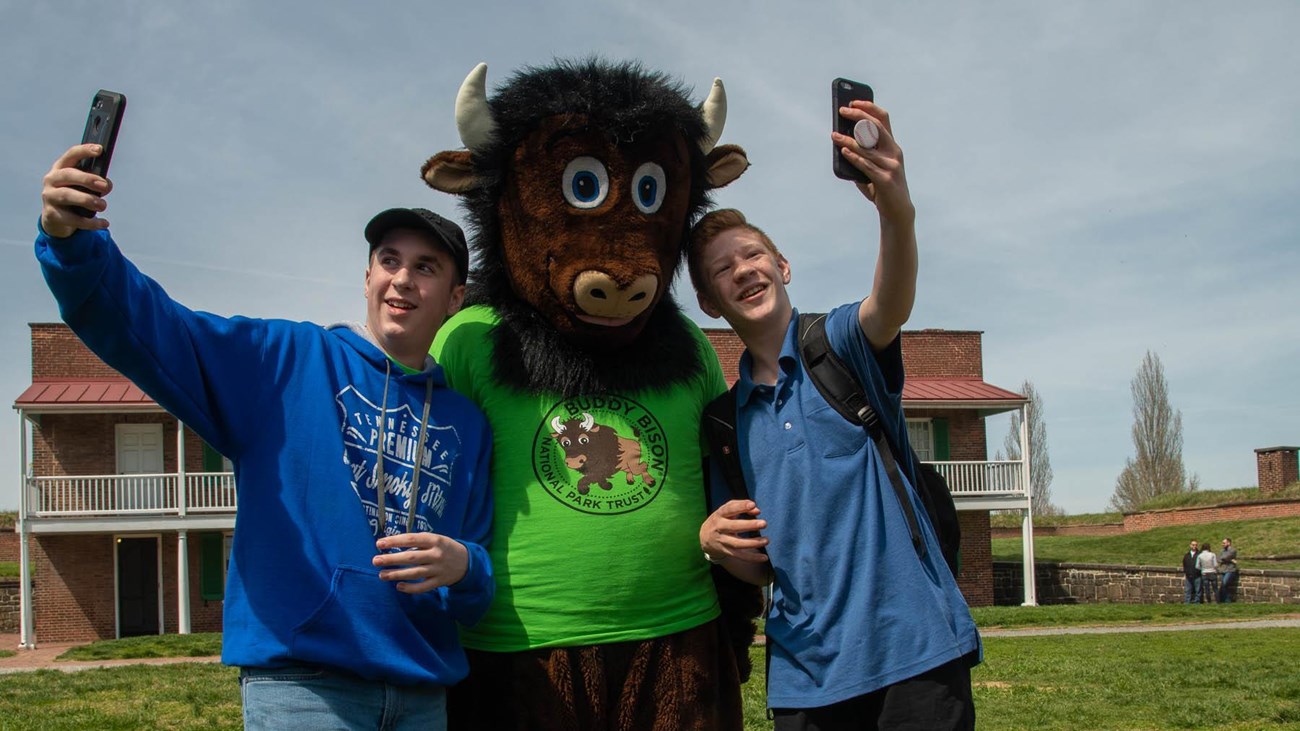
column 884, row 311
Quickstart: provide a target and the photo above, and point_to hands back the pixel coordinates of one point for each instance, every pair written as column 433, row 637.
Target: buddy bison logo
column 603, row 455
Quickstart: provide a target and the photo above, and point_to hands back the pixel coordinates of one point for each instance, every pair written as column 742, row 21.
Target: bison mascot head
column 580, row 181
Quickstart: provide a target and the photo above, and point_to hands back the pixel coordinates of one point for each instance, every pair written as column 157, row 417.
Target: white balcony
column 81, row 496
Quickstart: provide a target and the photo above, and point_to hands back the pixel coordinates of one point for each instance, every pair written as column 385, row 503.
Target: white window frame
column 920, row 432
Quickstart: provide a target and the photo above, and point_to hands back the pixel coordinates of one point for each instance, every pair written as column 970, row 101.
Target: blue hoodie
column 296, row 407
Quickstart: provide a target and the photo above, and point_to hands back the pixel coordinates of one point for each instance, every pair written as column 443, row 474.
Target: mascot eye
column 564, row 442
column 583, row 439
column 585, row 182
column 648, row 187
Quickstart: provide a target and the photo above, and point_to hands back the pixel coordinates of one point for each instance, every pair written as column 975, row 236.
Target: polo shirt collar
column 788, row 361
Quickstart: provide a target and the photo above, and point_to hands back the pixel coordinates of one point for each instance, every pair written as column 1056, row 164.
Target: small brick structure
column 1277, row 468
column 1083, row 583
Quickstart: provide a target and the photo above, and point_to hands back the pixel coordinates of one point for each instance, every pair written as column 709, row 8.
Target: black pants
column 935, row 700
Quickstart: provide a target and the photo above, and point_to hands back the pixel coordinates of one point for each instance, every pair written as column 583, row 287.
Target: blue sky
column 1092, row 180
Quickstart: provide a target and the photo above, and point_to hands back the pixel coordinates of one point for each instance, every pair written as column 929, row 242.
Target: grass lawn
column 1164, row 546
column 1074, row 615
column 203, row 644
column 1215, row 497
column 1012, row 519
column 1126, row 682
column 7, row 653
column 8, row 569
column 184, row 696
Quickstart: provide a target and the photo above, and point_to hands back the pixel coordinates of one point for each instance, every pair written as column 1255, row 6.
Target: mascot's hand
column 58, row 194
column 429, row 561
column 882, row 162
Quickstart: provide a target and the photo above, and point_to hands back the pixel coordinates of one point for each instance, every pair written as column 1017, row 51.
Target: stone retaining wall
column 9, row 607
column 1083, row 583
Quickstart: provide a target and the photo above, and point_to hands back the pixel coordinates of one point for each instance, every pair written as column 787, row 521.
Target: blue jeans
column 1228, row 589
column 1191, row 590
column 315, row 698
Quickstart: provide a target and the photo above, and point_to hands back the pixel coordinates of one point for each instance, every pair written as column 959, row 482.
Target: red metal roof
column 116, row 394
column 955, row 389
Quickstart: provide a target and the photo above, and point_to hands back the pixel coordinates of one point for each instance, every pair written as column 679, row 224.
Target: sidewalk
column 43, row 658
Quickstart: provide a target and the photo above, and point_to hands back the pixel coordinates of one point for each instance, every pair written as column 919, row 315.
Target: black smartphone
column 844, row 91
column 102, row 124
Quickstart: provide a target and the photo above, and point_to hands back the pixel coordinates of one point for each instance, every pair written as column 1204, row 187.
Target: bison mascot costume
column 580, row 181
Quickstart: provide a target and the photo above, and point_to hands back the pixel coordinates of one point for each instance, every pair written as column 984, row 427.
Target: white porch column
column 1027, row 523
column 26, row 623
column 182, row 490
column 182, row 582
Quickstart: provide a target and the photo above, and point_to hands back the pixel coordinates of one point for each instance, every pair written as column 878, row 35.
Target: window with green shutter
column 212, row 566
column 211, row 459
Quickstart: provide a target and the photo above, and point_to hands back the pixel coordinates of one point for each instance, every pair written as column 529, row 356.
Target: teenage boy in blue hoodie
column 864, row 630
column 342, row 599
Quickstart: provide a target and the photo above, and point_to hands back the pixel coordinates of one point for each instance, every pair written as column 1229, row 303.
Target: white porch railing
column 86, row 495
column 983, row 478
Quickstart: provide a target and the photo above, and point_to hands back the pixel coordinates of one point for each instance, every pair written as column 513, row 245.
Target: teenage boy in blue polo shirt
column 865, row 631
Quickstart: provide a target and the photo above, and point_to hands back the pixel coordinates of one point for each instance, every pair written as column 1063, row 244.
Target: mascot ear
column 726, row 163
column 450, row 172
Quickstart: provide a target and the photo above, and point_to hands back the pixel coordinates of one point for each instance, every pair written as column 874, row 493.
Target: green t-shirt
column 597, row 541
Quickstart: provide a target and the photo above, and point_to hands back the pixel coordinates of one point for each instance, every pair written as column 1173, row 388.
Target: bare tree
column 1040, row 463
column 1157, row 467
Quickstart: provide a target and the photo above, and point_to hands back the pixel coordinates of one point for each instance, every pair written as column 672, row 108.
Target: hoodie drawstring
column 380, row 487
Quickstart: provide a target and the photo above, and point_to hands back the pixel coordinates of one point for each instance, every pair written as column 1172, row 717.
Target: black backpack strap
column 840, row 388
column 719, row 426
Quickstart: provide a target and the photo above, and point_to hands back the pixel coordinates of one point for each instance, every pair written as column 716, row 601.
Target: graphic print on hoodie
column 402, row 447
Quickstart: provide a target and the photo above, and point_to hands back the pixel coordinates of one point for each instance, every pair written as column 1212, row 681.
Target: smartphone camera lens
column 845, row 86
column 99, row 104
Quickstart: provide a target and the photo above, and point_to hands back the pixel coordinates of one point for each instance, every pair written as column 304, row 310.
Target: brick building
column 125, row 538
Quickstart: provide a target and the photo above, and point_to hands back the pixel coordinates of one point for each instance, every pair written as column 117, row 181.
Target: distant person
column 1228, row 573
column 1191, row 574
column 343, row 600
column 1208, row 564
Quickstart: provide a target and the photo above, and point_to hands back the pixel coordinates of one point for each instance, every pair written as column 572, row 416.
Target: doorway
column 138, row 608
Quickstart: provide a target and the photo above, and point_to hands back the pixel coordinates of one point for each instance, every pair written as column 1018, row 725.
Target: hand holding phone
column 843, row 93
column 102, row 124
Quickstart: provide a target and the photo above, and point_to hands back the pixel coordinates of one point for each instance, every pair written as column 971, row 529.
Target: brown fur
column 670, row 683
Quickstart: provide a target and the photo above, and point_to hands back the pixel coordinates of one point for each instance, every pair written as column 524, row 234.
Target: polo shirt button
column 780, row 401
column 788, row 426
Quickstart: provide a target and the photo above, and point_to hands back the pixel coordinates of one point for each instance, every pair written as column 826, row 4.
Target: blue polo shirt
column 855, row 608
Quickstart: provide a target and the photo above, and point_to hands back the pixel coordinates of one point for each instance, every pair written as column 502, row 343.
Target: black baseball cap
column 422, row 219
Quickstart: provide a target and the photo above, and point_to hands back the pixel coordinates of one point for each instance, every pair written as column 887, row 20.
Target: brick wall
column 1067, row 583
column 926, row 353
column 976, row 576
column 1211, row 514
column 943, row 354
column 74, row 594
column 8, row 540
column 85, row 444
column 57, row 353
column 1277, row 468
column 74, row 588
